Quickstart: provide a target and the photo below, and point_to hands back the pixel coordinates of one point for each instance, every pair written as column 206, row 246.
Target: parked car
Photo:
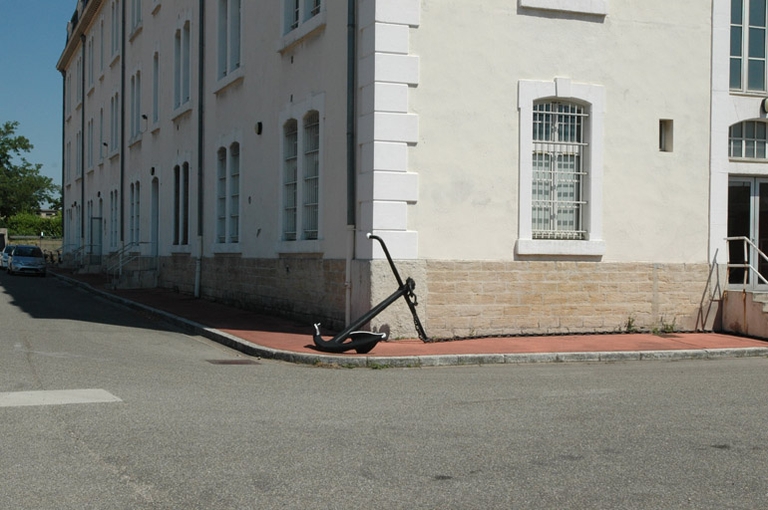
column 5, row 254
column 27, row 260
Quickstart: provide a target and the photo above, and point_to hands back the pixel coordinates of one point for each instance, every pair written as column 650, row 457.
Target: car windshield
column 27, row 251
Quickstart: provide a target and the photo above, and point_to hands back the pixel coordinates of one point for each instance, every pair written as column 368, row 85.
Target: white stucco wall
column 652, row 59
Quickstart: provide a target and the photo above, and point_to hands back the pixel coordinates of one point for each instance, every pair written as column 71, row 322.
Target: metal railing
column 749, row 269
column 128, row 254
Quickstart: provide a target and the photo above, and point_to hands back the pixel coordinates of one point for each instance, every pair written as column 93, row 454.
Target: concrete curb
column 320, row 359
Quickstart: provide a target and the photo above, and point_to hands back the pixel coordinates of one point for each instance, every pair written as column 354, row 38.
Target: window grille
column 558, row 171
column 290, row 154
column 315, row 10
column 294, row 14
column 310, row 186
column 221, row 196
column 234, row 192
column 748, row 140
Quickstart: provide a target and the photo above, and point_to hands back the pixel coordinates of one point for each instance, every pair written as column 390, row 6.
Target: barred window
column 558, row 170
column 290, row 167
column 310, row 190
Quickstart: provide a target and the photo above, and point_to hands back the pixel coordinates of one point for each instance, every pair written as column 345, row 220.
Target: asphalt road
column 185, row 431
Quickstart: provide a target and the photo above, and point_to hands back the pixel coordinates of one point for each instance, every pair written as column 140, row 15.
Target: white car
column 27, row 260
column 5, row 254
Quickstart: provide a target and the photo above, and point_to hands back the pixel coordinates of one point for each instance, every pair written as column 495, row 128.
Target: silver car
column 27, row 260
column 5, row 254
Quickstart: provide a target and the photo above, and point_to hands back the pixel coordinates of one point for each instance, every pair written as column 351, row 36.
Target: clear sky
column 32, row 37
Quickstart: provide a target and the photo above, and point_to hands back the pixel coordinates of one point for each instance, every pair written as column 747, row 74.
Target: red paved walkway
column 283, row 335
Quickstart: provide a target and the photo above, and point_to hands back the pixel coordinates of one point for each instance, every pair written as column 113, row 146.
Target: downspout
column 351, row 155
column 122, row 129
column 200, row 139
column 64, row 232
column 82, row 146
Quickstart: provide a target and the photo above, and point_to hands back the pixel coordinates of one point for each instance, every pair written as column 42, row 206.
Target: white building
column 538, row 166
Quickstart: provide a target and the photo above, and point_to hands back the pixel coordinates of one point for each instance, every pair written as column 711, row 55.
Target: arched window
column 747, row 140
column 561, row 168
column 559, row 173
column 290, row 167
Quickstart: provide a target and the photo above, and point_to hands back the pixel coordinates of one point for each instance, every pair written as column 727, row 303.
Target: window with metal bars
column 310, row 186
column 290, row 169
column 221, row 196
column 558, row 170
column 748, row 140
column 297, row 12
column 301, row 178
column 234, row 193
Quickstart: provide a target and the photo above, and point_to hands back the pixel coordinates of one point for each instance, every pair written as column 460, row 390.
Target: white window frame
column 298, row 12
column 229, row 37
column 597, row 7
column 306, row 240
column 741, row 56
column 181, row 206
column 182, row 66
column 744, row 146
column 593, row 97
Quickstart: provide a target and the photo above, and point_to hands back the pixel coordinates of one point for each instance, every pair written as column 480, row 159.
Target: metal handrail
column 116, row 266
column 747, row 266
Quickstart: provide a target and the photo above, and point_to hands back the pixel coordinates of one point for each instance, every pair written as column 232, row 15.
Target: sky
column 32, row 37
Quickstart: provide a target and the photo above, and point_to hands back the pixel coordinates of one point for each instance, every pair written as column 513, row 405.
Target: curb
column 319, row 359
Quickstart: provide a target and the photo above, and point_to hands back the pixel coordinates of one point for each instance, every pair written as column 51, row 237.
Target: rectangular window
column 310, row 186
column 176, row 204
column 558, row 174
column 177, row 69
column 290, row 169
column 234, row 193
column 221, row 196
column 296, row 12
column 155, row 88
column 89, row 62
column 748, row 39
column 115, row 28
column 185, row 63
column 185, row 205
column 89, row 145
column 228, row 37
column 666, row 135
column 135, row 14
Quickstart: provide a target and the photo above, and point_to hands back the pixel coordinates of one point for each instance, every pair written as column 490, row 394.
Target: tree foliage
column 28, row 224
column 22, row 188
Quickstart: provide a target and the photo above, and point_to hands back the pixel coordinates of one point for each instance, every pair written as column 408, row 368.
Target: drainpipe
column 64, row 232
column 122, row 129
column 82, row 145
column 200, row 140
column 351, row 155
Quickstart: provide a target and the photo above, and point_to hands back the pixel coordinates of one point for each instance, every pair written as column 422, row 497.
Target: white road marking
column 55, row 397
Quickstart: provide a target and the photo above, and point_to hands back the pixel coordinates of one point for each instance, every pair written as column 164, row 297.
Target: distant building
column 539, row 166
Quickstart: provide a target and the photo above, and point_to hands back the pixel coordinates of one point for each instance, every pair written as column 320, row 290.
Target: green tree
column 28, row 224
column 22, row 188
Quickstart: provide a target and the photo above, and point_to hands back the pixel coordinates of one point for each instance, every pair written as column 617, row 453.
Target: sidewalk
column 271, row 337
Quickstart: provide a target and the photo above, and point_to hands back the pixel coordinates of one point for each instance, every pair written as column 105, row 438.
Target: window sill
column 136, row 31
column 597, row 7
column 227, row 248
column 236, row 76
column 134, row 141
column 307, row 29
column 313, row 246
column 181, row 110
column 560, row 248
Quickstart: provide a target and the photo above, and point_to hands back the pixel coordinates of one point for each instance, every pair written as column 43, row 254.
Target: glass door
column 748, row 217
